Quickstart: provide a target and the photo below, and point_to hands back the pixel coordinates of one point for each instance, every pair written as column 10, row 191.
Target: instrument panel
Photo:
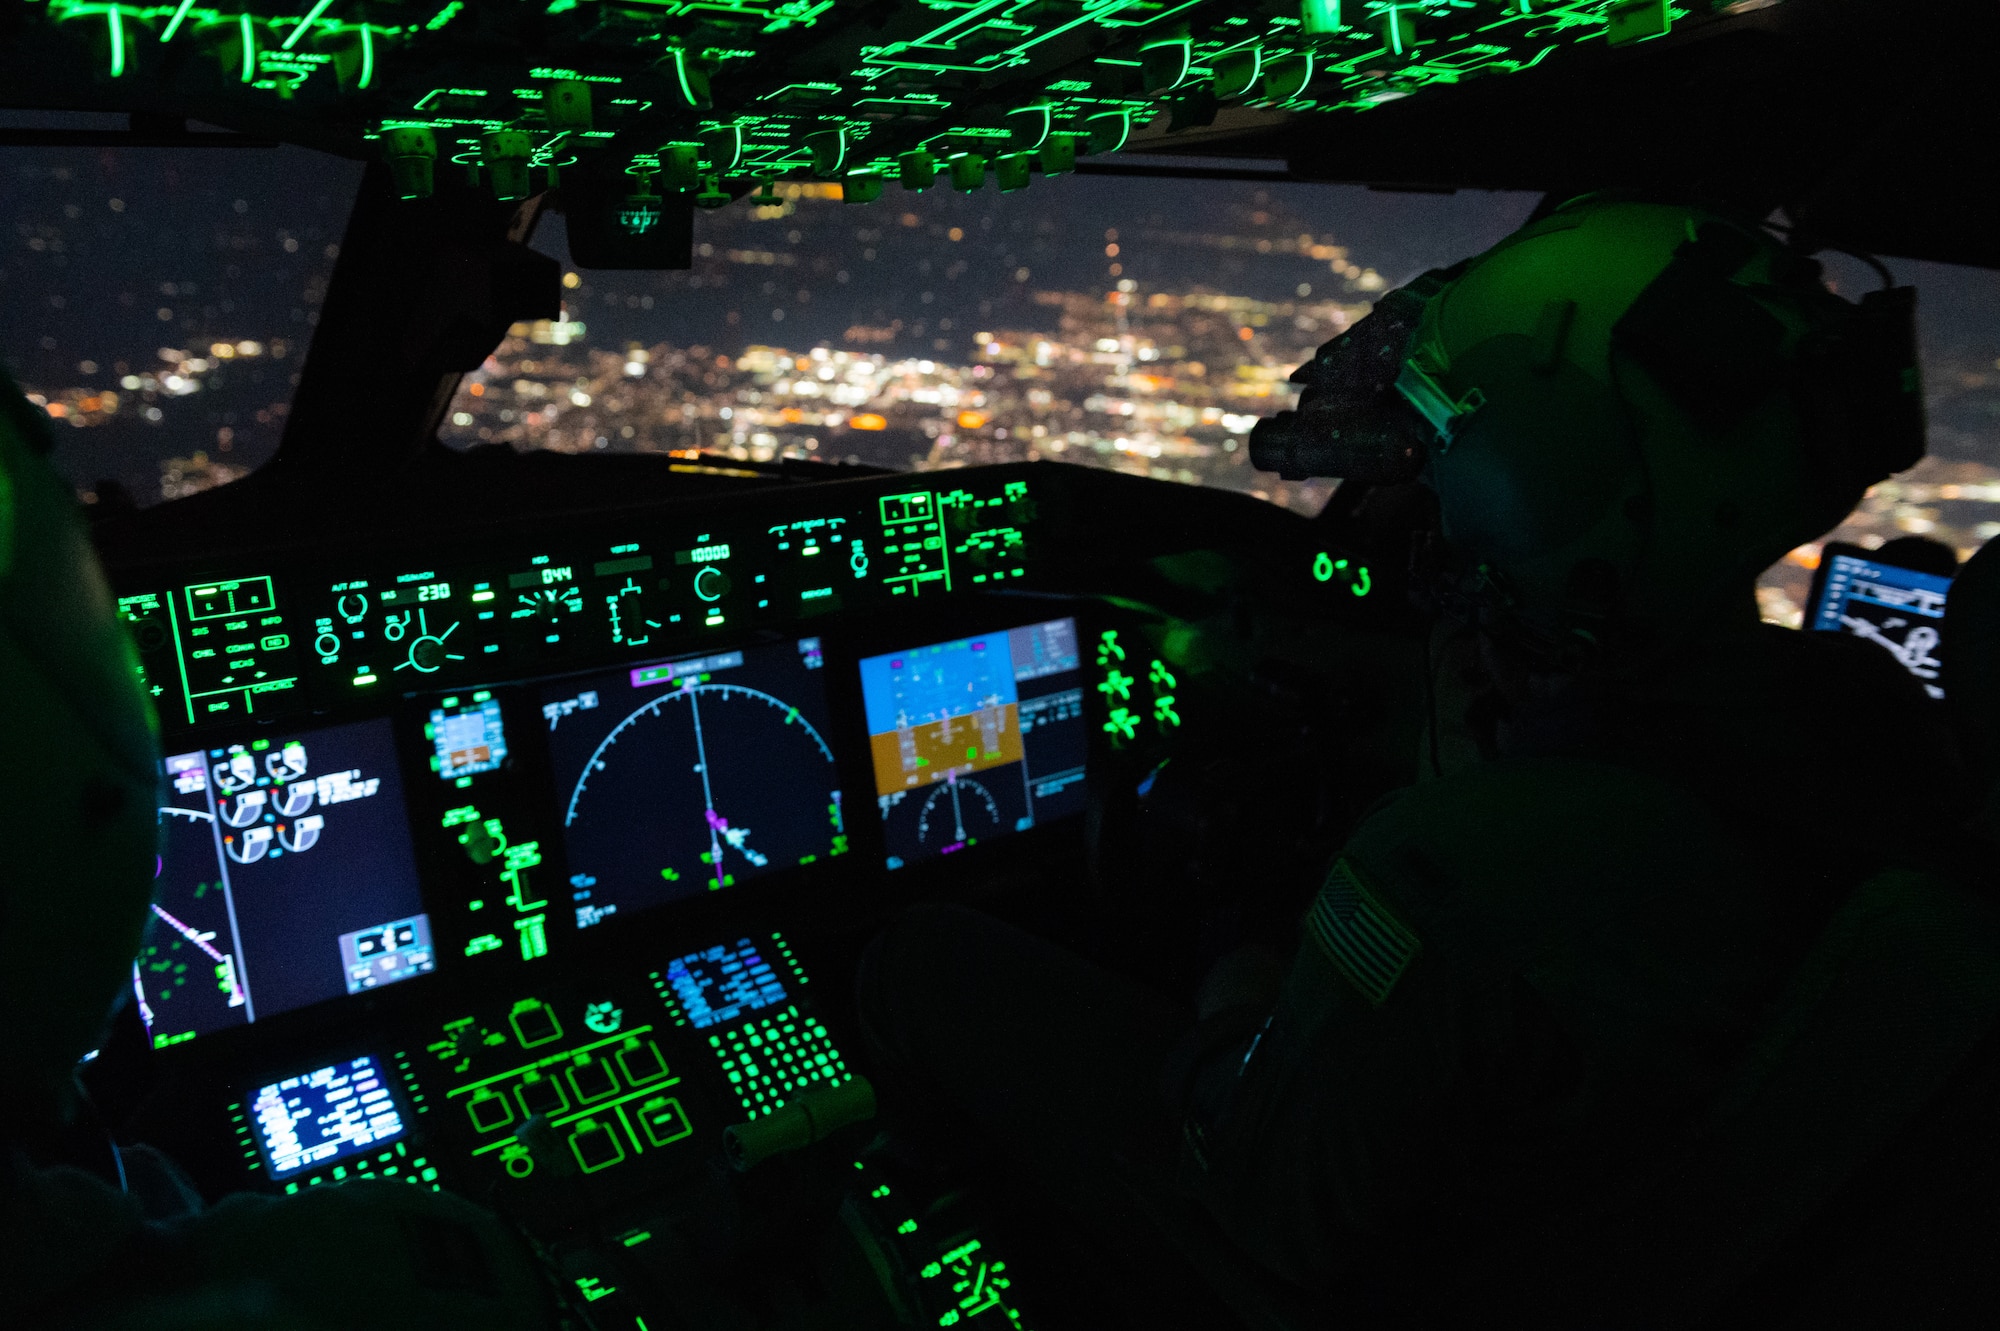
column 523, row 859
column 473, row 847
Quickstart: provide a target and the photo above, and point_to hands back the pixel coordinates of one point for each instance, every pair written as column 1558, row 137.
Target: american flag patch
column 1365, row 943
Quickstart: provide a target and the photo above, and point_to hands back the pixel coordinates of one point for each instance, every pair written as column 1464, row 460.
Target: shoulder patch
column 1356, row 932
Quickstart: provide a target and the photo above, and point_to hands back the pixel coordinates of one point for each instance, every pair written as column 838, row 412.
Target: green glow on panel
column 681, row 77
column 879, row 97
column 174, row 24
column 1320, row 17
column 311, row 17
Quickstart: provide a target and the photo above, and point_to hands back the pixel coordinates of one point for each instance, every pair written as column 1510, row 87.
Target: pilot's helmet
column 78, row 764
column 1637, row 407
column 1627, row 410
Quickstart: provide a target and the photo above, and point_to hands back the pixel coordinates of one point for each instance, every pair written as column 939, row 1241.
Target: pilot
column 1525, row 977
column 80, row 758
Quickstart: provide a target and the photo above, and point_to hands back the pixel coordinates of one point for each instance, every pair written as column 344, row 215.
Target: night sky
column 110, row 256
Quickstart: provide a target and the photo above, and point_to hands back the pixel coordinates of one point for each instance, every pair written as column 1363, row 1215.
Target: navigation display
column 686, row 776
column 340, row 1110
column 1898, row 609
column 975, row 738
column 285, row 877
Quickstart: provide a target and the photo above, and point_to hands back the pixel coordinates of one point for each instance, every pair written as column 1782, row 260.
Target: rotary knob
column 711, row 584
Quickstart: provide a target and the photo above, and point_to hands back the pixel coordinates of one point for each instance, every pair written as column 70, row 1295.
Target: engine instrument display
column 975, row 738
column 285, row 877
column 682, row 777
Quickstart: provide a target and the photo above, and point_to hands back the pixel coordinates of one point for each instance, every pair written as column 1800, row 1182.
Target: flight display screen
column 468, row 739
column 316, row 1118
column 975, row 738
column 1898, row 609
column 285, row 877
column 680, row 777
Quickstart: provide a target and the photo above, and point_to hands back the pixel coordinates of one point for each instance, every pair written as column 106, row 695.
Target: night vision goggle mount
column 1352, row 421
column 1375, row 409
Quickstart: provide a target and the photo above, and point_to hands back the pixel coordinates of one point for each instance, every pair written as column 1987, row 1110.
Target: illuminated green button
column 665, row 1120
column 489, row 1111
column 540, row 1095
column 592, row 1079
column 595, row 1147
column 642, row 1062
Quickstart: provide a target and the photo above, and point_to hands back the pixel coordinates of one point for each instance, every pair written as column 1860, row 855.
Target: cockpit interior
column 527, row 813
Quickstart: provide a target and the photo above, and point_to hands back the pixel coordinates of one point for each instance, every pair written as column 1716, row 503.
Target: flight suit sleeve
column 1506, row 979
column 419, row 1258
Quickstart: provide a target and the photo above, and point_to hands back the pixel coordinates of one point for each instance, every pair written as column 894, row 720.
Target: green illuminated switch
column 489, row 1111
column 642, row 1062
column 665, row 1120
column 595, row 1146
column 534, row 1023
column 592, row 1079
column 541, row 1095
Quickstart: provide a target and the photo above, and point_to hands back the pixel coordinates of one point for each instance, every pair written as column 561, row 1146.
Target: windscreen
column 160, row 301
column 1136, row 325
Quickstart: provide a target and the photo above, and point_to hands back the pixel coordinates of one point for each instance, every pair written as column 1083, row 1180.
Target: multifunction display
column 975, row 738
column 682, row 777
column 285, row 877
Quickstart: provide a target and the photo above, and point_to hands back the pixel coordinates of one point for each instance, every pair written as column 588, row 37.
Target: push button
column 665, row 1120
column 592, row 1079
column 595, row 1147
column 541, row 1095
column 489, row 1111
column 642, row 1062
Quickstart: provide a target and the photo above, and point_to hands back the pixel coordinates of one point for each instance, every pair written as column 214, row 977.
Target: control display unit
column 682, row 777
column 332, row 1113
column 975, row 738
column 723, row 982
column 1900, row 610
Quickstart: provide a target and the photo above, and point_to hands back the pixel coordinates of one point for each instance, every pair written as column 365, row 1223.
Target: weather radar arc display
column 689, row 776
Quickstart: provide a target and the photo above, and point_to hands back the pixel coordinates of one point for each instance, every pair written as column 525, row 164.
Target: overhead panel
column 686, row 97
